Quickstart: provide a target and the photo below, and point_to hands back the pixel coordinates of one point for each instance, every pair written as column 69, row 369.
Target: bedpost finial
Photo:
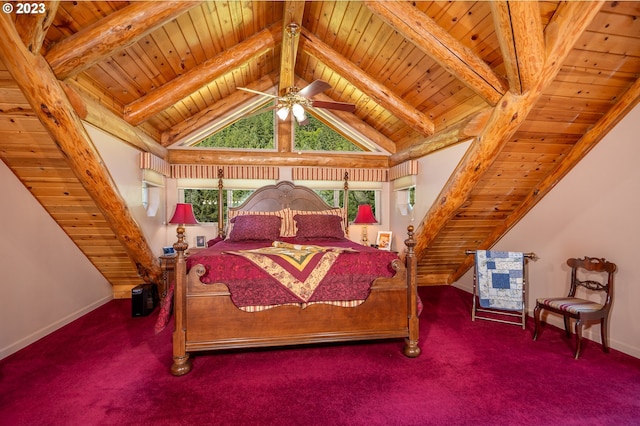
column 410, row 242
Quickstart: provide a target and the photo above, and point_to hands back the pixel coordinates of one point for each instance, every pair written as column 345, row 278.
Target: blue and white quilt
column 500, row 276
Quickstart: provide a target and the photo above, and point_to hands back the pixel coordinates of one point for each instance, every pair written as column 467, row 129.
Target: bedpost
column 411, row 348
column 181, row 362
column 220, row 203
column 345, row 204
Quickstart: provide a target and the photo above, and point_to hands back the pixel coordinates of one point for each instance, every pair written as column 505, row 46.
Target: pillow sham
column 279, row 213
column 318, row 226
column 255, row 228
column 291, row 225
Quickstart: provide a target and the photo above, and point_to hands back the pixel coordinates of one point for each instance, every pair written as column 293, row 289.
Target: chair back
column 592, row 264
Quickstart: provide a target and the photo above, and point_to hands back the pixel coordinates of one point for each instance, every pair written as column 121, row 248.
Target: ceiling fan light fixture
column 282, row 113
column 298, row 112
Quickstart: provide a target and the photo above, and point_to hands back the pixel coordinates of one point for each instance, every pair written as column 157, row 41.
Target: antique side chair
column 594, row 275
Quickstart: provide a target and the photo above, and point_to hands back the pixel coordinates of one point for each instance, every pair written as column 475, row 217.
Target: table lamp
column 365, row 217
column 182, row 216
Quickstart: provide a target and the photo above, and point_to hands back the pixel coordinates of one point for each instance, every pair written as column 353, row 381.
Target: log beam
column 569, row 22
column 217, row 110
column 270, row 158
column 459, row 132
column 93, row 112
column 293, row 12
column 369, row 86
column 52, row 107
column 625, row 104
column 33, row 27
column 520, row 34
column 115, row 32
column 184, row 85
column 433, row 40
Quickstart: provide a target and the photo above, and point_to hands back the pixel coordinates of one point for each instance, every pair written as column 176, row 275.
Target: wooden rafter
column 52, row 107
column 626, row 103
column 427, row 35
column 182, row 86
column 371, row 87
column 293, row 11
column 120, row 29
column 33, row 27
column 566, row 27
column 520, row 35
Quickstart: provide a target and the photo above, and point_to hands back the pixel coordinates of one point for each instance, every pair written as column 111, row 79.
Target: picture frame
column 383, row 240
column 201, row 241
column 168, row 251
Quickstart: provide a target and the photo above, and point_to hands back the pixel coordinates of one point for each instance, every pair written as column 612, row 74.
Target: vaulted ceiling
column 533, row 84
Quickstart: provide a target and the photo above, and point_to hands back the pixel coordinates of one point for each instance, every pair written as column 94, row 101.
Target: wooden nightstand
column 168, row 267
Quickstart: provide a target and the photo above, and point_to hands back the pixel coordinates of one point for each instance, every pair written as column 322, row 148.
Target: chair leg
column 578, row 338
column 536, row 315
column 603, row 335
column 567, row 326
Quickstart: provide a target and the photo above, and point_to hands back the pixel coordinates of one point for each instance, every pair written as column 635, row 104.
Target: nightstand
column 168, row 267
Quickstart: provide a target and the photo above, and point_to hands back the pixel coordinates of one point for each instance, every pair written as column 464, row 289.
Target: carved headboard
column 280, row 196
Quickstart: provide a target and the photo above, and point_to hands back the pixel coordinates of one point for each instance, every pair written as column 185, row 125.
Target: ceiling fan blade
column 314, row 88
column 257, row 93
column 341, row 106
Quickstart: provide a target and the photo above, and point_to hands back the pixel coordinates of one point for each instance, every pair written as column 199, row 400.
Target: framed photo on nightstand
column 201, row 241
column 168, row 251
column 383, row 241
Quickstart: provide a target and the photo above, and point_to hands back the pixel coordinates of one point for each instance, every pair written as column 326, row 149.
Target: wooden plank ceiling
column 534, row 85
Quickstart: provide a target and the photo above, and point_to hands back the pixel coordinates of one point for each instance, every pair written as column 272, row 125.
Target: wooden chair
column 582, row 310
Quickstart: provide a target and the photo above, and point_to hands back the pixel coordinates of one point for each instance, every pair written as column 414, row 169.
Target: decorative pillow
column 214, row 241
column 318, row 226
column 279, row 213
column 292, row 229
column 255, row 228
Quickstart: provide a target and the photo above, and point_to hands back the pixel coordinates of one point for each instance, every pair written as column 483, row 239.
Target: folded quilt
column 500, row 279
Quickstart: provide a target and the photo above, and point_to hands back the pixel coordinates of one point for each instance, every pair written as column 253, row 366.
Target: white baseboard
column 39, row 334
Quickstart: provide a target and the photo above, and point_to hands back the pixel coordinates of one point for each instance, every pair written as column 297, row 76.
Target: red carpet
column 110, row 369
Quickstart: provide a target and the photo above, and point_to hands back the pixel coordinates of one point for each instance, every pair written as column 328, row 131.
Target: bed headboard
column 282, row 195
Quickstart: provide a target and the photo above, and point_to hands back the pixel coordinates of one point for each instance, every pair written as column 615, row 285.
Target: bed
column 218, row 297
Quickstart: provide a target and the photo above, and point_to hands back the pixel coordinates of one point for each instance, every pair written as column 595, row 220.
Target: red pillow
column 318, row 227
column 255, row 228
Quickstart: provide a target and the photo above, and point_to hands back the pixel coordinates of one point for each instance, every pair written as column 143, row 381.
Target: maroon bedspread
column 349, row 278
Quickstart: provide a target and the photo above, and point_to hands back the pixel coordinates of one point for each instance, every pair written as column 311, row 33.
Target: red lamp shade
column 184, row 215
column 365, row 215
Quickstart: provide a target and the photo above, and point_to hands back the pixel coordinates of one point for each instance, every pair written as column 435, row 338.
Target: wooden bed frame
column 206, row 318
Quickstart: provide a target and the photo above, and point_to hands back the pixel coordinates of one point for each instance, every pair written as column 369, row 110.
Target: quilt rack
column 501, row 294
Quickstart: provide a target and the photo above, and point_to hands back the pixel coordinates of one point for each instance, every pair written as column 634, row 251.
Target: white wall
column 122, row 161
column 46, row 280
column 594, row 211
column 433, row 172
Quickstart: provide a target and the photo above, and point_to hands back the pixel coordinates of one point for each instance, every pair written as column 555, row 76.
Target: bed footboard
column 207, row 319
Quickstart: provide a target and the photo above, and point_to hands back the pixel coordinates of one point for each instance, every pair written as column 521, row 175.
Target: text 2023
column 30, row 8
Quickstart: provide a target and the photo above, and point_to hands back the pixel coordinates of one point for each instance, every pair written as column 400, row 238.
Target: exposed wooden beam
column 33, row 27
column 625, row 104
column 520, row 34
column 93, row 112
column 118, row 30
column 217, row 110
column 459, row 132
column 371, row 87
column 184, row 85
column 270, row 158
column 569, row 22
column 432, row 39
column 52, row 107
column 292, row 21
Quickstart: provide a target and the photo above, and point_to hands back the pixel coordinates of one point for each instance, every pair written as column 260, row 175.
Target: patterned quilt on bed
column 257, row 273
column 300, row 268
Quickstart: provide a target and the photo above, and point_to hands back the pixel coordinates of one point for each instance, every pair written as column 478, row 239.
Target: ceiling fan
column 296, row 100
